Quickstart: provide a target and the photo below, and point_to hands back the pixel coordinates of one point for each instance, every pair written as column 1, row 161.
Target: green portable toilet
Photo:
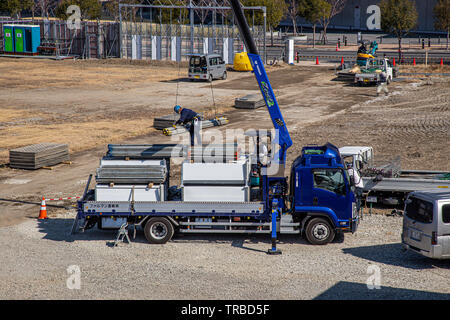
column 8, row 38
column 19, row 36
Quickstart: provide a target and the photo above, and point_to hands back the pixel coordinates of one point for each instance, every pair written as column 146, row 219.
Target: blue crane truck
column 317, row 201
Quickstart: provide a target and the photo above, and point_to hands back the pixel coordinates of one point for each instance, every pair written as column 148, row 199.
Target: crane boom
column 282, row 136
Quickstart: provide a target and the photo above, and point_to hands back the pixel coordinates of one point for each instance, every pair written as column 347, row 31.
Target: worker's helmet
column 177, row 108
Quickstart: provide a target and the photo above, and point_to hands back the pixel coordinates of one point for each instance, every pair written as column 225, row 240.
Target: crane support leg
column 274, row 249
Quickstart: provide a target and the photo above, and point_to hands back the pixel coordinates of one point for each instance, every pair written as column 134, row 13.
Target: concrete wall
column 348, row 18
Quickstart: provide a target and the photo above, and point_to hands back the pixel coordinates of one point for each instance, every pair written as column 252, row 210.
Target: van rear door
column 444, row 228
column 419, row 223
column 213, row 67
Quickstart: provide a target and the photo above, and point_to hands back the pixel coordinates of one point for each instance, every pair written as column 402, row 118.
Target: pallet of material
column 163, row 122
column 38, row 155
column 214, row 152
column 251, row 101
column 131, row 174
column 146, row 151
column 219, row 121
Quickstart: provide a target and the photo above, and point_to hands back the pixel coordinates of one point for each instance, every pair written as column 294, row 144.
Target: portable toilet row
column 21, row 39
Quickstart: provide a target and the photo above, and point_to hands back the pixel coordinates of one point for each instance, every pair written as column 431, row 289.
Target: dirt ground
column 89, row 104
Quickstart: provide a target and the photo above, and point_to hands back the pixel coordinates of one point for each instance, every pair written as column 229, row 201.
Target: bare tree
column 45, row 8
column 292, row 13
column 336, row 7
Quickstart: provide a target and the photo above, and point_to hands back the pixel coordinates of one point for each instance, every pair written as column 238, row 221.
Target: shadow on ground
column 344, row 290
column 60, row 230
column 394, row 255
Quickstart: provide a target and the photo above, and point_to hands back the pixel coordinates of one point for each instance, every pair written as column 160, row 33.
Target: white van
column 426, row 223
column 207, row 67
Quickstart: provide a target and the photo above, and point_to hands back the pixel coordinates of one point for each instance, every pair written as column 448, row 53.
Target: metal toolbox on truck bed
column 104, row 192
column 215, row 193
column 233, row 173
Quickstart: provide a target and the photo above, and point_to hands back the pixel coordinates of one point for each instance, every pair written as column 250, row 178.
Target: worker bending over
column 192, row 118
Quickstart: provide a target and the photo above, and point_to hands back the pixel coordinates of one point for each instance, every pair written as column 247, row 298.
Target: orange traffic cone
column 317, row 60
column 414, row 61
column 43, row 212
column 393, row 62
column 342, row 61
column 442, row 62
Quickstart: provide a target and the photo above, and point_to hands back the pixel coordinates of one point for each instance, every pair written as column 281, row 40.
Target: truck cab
column 359, row 157
column 370, row 74
column 321, row 194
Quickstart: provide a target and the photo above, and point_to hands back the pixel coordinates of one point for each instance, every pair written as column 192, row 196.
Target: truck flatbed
column 173, row 208
column 403, row 184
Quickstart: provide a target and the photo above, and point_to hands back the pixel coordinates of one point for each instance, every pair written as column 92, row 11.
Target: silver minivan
column 426, row 223
column 207, row 67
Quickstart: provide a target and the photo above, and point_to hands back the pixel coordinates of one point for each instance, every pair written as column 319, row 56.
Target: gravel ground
column 36, row 254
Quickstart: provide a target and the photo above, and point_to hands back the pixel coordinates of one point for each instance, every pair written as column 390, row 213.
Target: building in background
column 354, row 16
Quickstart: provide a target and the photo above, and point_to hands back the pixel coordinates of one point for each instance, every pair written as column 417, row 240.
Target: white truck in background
column 387, row 183
column 371, row 73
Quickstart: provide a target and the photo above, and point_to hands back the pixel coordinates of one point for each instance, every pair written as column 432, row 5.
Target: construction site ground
column 89, row 104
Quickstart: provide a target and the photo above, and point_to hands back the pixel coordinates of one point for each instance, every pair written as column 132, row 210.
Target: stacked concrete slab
column 163, row 122
column 251, row 101
column 38, row 155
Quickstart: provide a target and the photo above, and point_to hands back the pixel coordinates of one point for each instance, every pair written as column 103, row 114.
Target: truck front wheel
column 319, row 231
column 158, row 230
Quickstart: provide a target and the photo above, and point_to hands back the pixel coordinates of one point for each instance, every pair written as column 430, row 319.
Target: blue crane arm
column 282, row 136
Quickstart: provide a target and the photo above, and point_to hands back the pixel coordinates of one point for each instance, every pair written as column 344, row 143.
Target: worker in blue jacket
column 192, row 118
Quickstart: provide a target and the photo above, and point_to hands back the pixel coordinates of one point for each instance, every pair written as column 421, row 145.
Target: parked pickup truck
column 371, row 74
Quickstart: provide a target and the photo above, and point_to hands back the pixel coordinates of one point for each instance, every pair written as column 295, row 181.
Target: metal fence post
column 120, row 32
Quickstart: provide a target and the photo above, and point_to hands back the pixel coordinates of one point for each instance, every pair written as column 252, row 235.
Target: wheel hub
column 158, row 230
column 320, row 231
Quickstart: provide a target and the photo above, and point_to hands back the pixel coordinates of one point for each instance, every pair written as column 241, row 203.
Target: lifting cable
column 214, row 102
column 179, row 62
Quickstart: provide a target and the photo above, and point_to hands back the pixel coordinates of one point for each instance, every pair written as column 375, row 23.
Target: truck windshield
column 419, row 210
column 196, row 62
column 329, row 179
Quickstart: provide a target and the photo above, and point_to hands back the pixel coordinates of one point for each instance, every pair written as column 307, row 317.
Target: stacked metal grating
column 146, row 151
column 251, row 101
column 165, row 121
column 214, row 153
column 131, row 174
column 38, row 155
column 220, row 121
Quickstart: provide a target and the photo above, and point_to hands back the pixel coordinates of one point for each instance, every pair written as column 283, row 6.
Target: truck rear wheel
column 158, row 230
column 319, row 231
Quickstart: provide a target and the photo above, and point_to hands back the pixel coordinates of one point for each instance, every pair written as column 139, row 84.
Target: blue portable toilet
column 32, row 38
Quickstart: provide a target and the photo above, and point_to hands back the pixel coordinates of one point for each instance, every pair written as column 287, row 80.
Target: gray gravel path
column 35, row 256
